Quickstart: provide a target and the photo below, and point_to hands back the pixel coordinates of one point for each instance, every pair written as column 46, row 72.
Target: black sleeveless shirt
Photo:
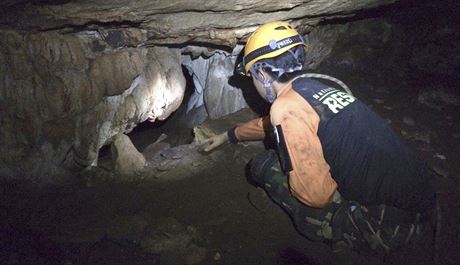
column 368, row 160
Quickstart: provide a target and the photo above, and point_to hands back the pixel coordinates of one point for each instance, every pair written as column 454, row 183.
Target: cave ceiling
column 175, row 21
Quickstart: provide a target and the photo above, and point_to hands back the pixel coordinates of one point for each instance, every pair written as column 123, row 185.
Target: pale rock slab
column 126, row 159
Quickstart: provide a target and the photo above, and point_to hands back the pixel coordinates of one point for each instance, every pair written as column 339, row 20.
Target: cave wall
column 64, row 96
column 211, row 72
column 409, row 40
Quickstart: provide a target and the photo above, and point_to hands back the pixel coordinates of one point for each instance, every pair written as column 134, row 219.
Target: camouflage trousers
column 342, row 224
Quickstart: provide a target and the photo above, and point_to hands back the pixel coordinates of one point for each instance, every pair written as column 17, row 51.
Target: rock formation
column 127, row 160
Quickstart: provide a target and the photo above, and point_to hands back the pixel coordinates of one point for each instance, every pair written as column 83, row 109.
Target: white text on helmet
column 283, row 43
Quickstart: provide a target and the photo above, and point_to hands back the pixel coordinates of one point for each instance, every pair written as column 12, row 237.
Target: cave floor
column 214, row 216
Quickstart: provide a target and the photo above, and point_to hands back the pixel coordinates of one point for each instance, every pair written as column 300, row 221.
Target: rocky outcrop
column 73, row 74
column 61, row 100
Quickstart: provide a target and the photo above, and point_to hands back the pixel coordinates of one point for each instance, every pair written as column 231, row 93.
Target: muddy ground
column 213, row 215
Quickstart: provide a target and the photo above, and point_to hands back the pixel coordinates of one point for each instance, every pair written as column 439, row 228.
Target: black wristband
column 231, row 136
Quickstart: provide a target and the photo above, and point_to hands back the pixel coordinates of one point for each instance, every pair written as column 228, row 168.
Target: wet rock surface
column 174, row 162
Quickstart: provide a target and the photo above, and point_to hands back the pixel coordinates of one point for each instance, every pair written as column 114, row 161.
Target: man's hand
column 214, row 142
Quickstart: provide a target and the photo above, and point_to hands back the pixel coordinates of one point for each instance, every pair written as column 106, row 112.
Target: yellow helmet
column 268, row 41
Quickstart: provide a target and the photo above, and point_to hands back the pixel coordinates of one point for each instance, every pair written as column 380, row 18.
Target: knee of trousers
column 264, row 167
